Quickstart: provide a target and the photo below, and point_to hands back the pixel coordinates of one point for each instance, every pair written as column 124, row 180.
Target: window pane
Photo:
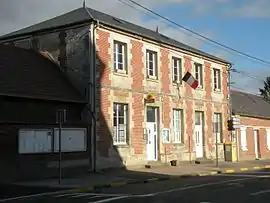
column 120, row 48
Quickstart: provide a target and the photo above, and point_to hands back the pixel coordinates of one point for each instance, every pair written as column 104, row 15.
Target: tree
column 265, row 92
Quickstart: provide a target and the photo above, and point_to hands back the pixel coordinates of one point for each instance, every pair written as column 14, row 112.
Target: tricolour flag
column 190, row 80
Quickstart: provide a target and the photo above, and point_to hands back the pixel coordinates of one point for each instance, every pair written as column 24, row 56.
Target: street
column 247, row 187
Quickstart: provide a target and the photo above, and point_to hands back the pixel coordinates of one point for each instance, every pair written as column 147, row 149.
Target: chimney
column 157, row 29
column 62, row 48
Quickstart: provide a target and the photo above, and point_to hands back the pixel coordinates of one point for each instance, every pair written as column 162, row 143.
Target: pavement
column 243, row 187
column 241, row 182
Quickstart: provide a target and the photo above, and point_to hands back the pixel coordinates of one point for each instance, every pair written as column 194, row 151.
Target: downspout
column 92, row 86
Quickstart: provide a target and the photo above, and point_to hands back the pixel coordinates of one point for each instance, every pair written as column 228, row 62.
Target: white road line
column 96, row 196
column 260, row 192
column 65, row 195
column 81, row 195
column 109, row 200
column 35, row 195
column 197, row 186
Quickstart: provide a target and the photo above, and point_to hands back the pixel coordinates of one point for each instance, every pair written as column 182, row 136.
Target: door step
column 155, row 164
column 203, row 161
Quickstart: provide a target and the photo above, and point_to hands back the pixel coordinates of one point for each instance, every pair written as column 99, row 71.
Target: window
column 217, row 80
column 120, row 57
column 151, row 64
column 217, row 128
column 120, row 123
column 177, row 70
column 177, row 125
column 243, row 138
column 268, row 138
column 199, row 74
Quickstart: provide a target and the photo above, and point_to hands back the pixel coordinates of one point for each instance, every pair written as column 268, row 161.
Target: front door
column 152, row 129
column 199, row 134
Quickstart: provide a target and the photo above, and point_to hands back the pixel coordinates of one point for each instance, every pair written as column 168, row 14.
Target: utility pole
column 61, row 117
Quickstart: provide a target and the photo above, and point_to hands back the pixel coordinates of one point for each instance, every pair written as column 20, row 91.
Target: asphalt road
column 251, row 187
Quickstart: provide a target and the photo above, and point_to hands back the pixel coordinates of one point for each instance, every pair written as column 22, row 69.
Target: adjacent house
column 254, row 133
column 144, row 111
column 33, row 88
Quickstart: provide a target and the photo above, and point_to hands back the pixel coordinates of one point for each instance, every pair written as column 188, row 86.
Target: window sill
column 178, row 143
column 166, row 142
column 217, row 91
column 120, row 73
column 121, row 145
column 152, row 79
column 177, row 84
column 244, row 149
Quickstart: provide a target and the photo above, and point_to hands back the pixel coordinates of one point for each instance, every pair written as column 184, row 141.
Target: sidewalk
column 143, row 175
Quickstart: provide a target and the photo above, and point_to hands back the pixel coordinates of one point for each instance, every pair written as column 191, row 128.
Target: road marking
column 80, row 195
column 65, row 195
column 197, row 186
column 260, row 192
column 35, row 195
column 109, row 200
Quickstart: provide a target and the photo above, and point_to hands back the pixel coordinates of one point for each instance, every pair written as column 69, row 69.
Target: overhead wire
column 203, row 38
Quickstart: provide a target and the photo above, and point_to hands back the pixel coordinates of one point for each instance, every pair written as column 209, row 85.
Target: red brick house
column 134, row 63
column 254, row 133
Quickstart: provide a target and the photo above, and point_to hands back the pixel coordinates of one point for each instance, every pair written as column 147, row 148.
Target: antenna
column 157, row 29
column 83, row 3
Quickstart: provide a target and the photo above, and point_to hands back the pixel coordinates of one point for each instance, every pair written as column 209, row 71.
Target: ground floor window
column 120, row 123
column 217, row 125
column 177, row 125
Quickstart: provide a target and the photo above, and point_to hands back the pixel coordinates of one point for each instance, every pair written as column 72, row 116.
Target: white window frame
column 116, row 126
column 177, row 76
column 154, row 62
column 268, row 138
column 116, row 54
column 217, row 79
column 243, row 138
column 217, row 119
column 199, row 73
column 177, row 133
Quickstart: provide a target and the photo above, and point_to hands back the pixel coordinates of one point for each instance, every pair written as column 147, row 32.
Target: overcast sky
column 195, row 14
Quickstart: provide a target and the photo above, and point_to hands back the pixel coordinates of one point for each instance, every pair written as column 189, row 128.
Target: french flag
column 190, row 80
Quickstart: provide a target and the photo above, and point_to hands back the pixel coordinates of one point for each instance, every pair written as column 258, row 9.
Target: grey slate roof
column 246, row 104
column 80, row 15
column 27, row 74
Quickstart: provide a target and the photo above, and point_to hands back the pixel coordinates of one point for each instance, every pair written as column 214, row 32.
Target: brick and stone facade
column 131, row 88
column 247, row 142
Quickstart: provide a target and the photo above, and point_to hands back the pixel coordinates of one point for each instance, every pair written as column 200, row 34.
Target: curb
column 149, row 180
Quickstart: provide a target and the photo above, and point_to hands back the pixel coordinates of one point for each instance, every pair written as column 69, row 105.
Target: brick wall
column 167, row 96
column 252, row 124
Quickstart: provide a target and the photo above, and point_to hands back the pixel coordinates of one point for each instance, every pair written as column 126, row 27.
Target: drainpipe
column 92, row 85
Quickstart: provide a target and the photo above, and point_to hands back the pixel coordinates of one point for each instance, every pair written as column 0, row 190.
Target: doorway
column 152, row 133
column 199, row 134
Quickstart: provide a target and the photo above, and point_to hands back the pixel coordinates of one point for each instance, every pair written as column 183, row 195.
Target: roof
column 83, row 15
column 28, row 74
column 246, row 104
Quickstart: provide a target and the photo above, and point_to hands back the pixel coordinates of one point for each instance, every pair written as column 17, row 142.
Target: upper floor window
column 151, row 64
column 199, row 74
column 120, row 123
column 217, row 79
column 120, row 57
column 177, row 70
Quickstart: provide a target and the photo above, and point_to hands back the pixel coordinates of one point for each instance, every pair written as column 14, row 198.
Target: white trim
column 220, row 78
column 268, row 138
column 243, row 138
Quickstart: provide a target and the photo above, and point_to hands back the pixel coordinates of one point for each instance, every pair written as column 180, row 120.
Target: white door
column 198, row 141
column 199, row 134
column 255, row 132
column 151, row 141
column 152, row 129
